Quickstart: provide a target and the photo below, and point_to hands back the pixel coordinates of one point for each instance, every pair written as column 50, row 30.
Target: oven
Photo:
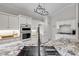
column 25, row 31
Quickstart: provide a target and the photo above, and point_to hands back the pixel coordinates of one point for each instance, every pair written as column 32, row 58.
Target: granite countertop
column 10, row 47
column 66, row 48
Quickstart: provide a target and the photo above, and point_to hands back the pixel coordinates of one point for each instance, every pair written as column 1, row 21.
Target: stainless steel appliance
column 25, row 31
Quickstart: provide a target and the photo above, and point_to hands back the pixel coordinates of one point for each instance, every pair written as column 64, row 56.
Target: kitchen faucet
column 39, row 40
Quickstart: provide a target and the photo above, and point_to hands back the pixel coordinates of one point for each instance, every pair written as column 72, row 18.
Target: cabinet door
column 22, row 20
column 3, row 21
column 29, row 20
column 13, row 22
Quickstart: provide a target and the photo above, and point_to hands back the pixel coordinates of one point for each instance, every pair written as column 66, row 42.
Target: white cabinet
column 13, row 22
column 22, row 19
column 3, row 21
column 8, row 22
column 29, row 20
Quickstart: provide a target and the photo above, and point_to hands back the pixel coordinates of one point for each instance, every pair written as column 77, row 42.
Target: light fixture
column 41, row 10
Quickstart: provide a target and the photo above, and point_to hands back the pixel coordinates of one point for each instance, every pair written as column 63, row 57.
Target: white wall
column 78, row 20
column 47, row 33
column 66, row 13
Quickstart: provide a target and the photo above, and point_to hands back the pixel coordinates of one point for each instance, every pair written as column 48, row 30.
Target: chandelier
column 41, row 10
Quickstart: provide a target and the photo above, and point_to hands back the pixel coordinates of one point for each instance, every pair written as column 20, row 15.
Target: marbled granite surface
column 67, row 48
column 10, row 47
column 13, row 46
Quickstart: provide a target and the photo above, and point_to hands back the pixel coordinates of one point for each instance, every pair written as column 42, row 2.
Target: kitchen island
column 12, row 47
column 16, row 47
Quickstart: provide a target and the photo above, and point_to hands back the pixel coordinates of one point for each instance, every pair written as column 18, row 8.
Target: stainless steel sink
column 33, row 51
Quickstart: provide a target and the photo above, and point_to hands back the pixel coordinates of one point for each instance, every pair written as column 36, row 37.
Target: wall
column 78, row 20
column 66, row 13
column 46, row 33
column 34, row 33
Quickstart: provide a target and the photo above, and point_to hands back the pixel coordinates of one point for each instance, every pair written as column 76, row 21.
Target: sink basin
column 28, row 51
column 33, row 51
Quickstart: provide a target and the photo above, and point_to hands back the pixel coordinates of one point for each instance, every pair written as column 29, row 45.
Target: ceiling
column 28, row 8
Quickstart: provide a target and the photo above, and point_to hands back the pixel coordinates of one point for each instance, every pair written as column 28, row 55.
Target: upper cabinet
column 24, row 20
column 29, row 20
column 3, row 21
column 13, row 22
column 8, row 21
